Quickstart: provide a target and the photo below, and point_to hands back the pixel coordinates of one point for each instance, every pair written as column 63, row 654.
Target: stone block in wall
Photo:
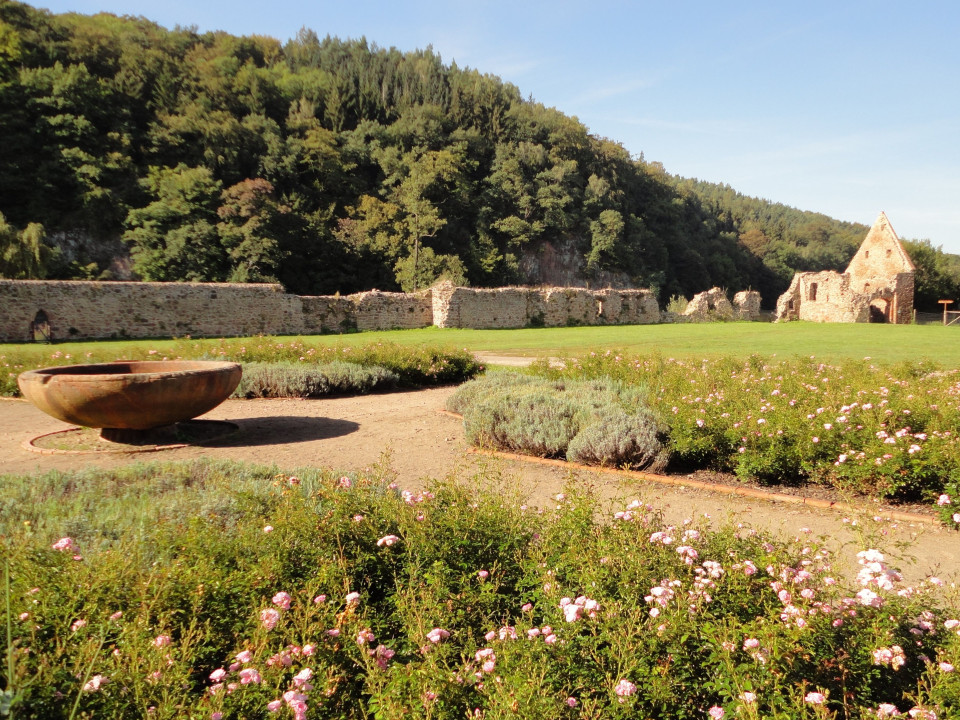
column 328, row 314
column 637, row 307
column 445, row 312
column 746, row 305
column 709, row 305
column 485, row 309
column 376, row 310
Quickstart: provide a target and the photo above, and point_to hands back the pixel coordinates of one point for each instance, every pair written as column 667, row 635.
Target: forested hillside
column 337, row 166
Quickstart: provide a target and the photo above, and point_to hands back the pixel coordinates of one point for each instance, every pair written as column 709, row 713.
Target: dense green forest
column 332, row 166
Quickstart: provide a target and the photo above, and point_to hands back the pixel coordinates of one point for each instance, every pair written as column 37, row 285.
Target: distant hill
column 336, row 166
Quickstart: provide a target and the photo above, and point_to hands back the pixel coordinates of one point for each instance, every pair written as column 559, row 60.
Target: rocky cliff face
column 561, row 264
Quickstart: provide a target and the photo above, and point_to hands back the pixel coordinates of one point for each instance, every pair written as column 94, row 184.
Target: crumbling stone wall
column 81, row 309
column 878, row 285
column 823, row 297
column 711, row 304
column 377, row 310
column 746, row 305
column 514, row 307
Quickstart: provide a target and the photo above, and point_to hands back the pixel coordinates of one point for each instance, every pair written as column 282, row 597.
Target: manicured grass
column 882, row 343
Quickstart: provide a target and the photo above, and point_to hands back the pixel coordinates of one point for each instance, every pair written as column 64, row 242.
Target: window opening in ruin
column 866, row 253
column 813, row 292
column 889, row 251
column 599, row 308
column 40, row 327
column 866, row 287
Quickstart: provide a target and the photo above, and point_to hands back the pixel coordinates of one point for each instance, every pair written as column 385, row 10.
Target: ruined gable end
column 877, row 286
column 881, row 256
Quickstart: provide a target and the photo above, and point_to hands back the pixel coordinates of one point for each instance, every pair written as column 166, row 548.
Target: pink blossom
column 335, row 632
column 344, row 482
column 571, row 702
column 282, row 600
column 437, row 634
column 319, row 599
column 353, row 599
column 244, row 656
column 751, row 644
column 303, row 677
column 64, row 544
column 365, row 636
column 815, row 698
column 95, row 683
column 716, row 712
column 624, row 689
column 309, row 650
column 886, row 710
column 748, row 697
column 218, row 675
column 161, row 641
column 483, row 574
column 527, row 607
column 268, row 528
column 946, row 667
column 249, row 676
column 269, row 618
column 383, row 655
column 216, row 715
column 387, row 540
column 274, row 705
column 943, row 500
column 488, row 666
column 77, row 624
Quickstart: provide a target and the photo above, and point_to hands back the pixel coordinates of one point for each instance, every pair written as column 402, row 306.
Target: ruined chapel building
column 877, row 286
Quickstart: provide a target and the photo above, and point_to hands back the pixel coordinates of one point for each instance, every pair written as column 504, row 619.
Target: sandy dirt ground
column 408, row 431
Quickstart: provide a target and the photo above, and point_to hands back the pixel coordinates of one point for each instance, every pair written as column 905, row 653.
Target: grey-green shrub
column 275, row 380
column 533, row 420
column 616, row 438
column 468, row 393
column 592, row 421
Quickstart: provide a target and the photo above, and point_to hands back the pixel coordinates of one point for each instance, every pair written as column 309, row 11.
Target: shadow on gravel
column 283, row 430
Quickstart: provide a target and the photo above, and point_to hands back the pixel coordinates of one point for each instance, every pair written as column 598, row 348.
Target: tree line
column 335, row 165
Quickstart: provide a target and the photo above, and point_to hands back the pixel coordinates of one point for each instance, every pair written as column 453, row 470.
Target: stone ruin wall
column 513, row 307
column 97, row 310
column 837, row 297
column 84, row 309
column 823, row 297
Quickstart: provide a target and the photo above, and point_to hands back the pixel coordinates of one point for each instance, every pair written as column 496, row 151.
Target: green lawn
column 883, row 343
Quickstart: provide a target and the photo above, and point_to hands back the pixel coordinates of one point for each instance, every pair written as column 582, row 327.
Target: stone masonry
column 512, row 307
column 877, row 286
column 74, row 310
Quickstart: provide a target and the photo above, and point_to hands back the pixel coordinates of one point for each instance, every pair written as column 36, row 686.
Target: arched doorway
column 880, row 310
column 40, row 327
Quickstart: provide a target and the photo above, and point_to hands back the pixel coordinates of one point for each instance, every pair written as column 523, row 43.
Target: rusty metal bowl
column 130, row 395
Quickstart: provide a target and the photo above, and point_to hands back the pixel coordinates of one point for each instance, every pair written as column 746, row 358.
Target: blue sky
column 841, row 107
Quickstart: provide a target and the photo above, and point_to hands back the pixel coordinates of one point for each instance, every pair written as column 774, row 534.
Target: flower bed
column 216, row 590
column 890, row 432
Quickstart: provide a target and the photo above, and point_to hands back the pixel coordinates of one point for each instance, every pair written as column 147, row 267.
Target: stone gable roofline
column 882, row 235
